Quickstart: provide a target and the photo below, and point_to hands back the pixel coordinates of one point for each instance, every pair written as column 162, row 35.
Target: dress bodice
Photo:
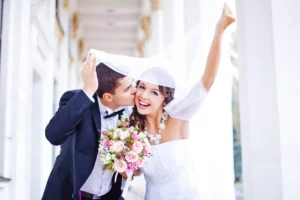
column 169, row 172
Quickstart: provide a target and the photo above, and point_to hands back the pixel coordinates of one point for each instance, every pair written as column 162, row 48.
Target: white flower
column 100, row 148
column 125, row 116
column 113, row 157
column 117, row 133
column 108, row 157
column 103, row 159
column 120, row 166
column 131, row 129
column 117, row 147
column 124, row 134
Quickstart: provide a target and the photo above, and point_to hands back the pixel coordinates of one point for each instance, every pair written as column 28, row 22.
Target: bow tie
column 120, row 113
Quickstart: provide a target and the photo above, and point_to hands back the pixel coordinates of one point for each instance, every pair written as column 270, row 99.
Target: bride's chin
column 142, row 111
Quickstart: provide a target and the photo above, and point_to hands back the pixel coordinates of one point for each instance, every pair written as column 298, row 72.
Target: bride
column 169, row 173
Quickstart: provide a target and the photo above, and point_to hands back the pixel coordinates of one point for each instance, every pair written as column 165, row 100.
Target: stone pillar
column 156, row 43
column 174, row 27
column 16, row 95
column 140, row 52
column 146, row 26
column 269, row 46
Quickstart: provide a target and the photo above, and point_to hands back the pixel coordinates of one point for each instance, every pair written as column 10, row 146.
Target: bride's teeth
column 144, row 104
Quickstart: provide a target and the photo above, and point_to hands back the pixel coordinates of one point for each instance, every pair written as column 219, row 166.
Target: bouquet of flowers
column 124, row 149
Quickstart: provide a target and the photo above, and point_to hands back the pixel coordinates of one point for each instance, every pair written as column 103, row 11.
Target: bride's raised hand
column 226, row 19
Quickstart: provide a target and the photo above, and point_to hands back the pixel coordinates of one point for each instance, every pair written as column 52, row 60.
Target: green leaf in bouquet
column 132, row 177
column 110, row 165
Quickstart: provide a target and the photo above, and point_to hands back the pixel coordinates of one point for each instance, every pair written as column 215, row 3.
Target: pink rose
column 123, row 135
column 106, row 143
column 120, row 166
column 146, row 152
column 137, row 147
column 135, row 136
column 140, row 162
column 117, row 147
column 131, row 156
column 132, row 166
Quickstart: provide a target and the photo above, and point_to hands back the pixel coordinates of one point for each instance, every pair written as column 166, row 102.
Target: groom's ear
column 108, row 97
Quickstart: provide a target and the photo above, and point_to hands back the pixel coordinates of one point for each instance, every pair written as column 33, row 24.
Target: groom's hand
column 135, row 172
column 89, row 75
column 124, row 175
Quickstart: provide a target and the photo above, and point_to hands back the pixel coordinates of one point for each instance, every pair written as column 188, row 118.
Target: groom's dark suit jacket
column 75, row 127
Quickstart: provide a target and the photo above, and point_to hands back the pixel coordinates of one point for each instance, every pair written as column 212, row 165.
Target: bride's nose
column 144, row 95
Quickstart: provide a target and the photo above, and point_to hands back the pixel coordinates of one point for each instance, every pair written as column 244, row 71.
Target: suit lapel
column 96, row 115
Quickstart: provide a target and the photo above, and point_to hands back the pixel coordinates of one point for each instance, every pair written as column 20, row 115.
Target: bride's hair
column 137, row 119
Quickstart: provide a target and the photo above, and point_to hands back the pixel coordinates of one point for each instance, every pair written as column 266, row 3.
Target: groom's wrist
column 89, row 94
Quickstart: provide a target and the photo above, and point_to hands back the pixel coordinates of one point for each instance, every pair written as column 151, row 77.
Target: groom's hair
column 107, row 79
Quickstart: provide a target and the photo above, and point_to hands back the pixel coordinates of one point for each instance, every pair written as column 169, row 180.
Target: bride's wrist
column 219, row 31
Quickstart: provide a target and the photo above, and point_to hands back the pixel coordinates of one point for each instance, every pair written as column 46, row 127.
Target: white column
column 212, row 126
column 63, row 69
column 146, row 23
column 140, row 45
column 17, row 95
column 156, row 42
column 174, row 28
column 269, row 46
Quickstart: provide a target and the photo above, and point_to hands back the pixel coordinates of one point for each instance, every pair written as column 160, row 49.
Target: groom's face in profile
column 124, row 92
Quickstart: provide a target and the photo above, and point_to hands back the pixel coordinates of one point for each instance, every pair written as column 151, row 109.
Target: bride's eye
column 141, row 87
column 155, row 93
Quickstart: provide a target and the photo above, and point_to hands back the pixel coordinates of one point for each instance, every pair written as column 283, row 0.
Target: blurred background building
column 44, row 42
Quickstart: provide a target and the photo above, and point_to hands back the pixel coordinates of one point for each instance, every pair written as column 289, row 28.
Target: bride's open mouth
column 143, row 104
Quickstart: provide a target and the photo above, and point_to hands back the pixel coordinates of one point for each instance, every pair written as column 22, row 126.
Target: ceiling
column 110, row 25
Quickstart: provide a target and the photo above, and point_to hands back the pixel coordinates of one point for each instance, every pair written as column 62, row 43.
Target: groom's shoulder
column 69, row 94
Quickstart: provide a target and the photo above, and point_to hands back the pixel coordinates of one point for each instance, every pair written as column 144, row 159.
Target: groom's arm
column 73, row 106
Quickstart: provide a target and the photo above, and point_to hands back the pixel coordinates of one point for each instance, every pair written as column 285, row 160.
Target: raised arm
column 213, row 59
column 73, row 105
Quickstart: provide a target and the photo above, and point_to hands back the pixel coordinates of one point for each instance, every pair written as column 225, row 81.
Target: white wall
column 29, row 61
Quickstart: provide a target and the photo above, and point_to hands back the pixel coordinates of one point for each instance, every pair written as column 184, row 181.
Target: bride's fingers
column 225, row 8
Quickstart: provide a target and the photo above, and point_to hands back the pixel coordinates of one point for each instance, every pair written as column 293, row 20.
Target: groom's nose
column 133, row 90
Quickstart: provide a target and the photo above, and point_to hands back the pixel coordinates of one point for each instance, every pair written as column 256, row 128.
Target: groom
column 75, row 126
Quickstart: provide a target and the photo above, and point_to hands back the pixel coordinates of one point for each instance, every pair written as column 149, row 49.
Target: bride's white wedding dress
column 169, row 173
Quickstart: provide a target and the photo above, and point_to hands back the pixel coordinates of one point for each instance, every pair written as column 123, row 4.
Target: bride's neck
column 153, row 121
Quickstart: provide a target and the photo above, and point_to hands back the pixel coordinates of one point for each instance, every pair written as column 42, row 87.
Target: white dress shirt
column 99, row 182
